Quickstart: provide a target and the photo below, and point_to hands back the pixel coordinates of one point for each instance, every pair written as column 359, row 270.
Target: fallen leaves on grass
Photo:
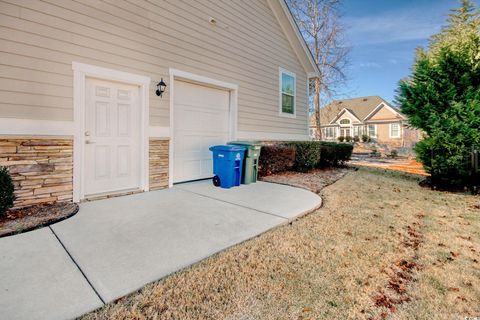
column 395, row 291
column 314, row 180
column 311, row 269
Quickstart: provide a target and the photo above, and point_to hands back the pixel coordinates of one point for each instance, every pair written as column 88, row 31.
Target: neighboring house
column 371, row 116
column 79, row 114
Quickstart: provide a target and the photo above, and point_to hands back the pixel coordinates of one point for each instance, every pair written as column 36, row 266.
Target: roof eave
column 379, row 106
column 341, row 112
column 304, row 54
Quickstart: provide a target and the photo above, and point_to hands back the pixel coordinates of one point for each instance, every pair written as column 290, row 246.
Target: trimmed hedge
column 302, row 156
column 276, row 158
column 307, row 155
column 334, row 154
column 6, row 191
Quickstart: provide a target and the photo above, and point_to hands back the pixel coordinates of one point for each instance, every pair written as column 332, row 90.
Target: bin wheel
column 216, row 181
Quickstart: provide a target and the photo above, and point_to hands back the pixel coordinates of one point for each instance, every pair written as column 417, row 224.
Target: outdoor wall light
column 160, row 88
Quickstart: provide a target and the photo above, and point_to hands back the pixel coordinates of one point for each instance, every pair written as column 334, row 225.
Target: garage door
column 201, row 119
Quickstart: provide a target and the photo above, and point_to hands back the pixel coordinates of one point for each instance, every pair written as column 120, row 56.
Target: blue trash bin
column 227, row 165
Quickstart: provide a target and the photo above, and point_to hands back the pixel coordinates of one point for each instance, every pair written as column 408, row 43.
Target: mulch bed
column 26, row 219
column 314, row 180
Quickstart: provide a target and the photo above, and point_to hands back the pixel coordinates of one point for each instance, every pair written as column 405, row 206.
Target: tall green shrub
column 442, row 97
column 334, row 154
column 307, row 155
column 6, row 191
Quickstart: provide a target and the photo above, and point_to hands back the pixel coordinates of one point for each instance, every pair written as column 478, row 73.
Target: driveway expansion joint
column 236, row 204
column 76, row 264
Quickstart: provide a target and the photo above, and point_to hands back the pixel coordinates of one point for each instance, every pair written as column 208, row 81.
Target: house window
column 372, row 130
column 357, row 131
column 312, row 132
column 345, row 121
column 329, row 132
column 287, row 93
column 394, row 130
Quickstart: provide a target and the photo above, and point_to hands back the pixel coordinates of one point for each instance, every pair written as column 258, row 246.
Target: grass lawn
column 380, row 247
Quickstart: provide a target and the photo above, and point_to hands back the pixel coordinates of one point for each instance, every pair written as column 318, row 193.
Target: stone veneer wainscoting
column 41, row 168
column 158, row 170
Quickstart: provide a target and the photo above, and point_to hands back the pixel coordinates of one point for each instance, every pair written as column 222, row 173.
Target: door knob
column 87, row 133
column 89, row 142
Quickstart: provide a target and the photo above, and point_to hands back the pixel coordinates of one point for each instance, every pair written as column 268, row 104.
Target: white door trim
column 80, row 72
column 182, row 75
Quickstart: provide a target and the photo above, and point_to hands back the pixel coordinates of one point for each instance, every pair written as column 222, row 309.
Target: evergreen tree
column 442, row 97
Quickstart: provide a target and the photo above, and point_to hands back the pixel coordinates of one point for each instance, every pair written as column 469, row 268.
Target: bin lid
column 246, row 143
column 231, row 148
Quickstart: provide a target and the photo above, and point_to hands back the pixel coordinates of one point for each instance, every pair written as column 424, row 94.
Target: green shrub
column 334, row 154
column 307, row 154
column 341, row 138
column 365, row 138
column 302, row 156
column 393, row 154
column 276, row 158
column 348, row 138
column 375, row 153
column 356, row 139
column 6, row 191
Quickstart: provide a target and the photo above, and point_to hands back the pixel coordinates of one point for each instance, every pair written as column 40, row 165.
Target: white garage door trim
column 182, row 75
column 80, row 72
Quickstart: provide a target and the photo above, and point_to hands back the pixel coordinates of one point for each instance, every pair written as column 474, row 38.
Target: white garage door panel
column 209, row 118
column 201, row 119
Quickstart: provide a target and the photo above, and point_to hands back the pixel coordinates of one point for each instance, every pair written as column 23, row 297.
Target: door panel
column 201, row 119
column 112, row 154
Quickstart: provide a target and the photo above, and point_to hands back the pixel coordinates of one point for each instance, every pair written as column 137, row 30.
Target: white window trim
column 358, row 131
column 280, row 112
column 399, row 130
column 80, row 72
column 333, row 130
column 345, row 124
column 344, row 129
column 368, row 130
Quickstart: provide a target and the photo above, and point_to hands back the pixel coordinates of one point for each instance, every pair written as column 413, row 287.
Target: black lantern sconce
column 160, row 88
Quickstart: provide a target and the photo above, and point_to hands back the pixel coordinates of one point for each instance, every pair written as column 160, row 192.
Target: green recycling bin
column 252, row 154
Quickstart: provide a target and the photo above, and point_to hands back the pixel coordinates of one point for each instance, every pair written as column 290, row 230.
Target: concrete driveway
column 115, row 246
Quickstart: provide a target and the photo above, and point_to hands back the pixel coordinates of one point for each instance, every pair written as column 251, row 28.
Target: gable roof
column 290, row 28
column 342, row 112
column 361, row 107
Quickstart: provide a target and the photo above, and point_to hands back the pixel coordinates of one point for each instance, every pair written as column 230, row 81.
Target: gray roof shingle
column 360, row 107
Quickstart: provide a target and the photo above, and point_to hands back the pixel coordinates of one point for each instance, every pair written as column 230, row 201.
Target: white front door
column 112, row 139
column 201, row 120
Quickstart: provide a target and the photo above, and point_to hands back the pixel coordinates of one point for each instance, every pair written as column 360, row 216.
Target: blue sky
column 383, row 36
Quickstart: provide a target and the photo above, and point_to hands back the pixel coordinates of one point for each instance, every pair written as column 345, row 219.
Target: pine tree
column 442, row 97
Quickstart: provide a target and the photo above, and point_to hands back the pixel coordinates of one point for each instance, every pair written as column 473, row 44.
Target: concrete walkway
column 113, row 247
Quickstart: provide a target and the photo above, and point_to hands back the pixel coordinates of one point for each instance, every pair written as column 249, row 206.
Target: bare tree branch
column 319, row 22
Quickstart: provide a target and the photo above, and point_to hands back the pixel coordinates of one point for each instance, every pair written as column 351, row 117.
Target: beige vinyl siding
column 347, row 115
column 384, row 114
column 383, row 132
column 40, row 39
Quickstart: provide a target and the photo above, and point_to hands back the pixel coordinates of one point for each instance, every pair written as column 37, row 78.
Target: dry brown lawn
column 381, row 247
